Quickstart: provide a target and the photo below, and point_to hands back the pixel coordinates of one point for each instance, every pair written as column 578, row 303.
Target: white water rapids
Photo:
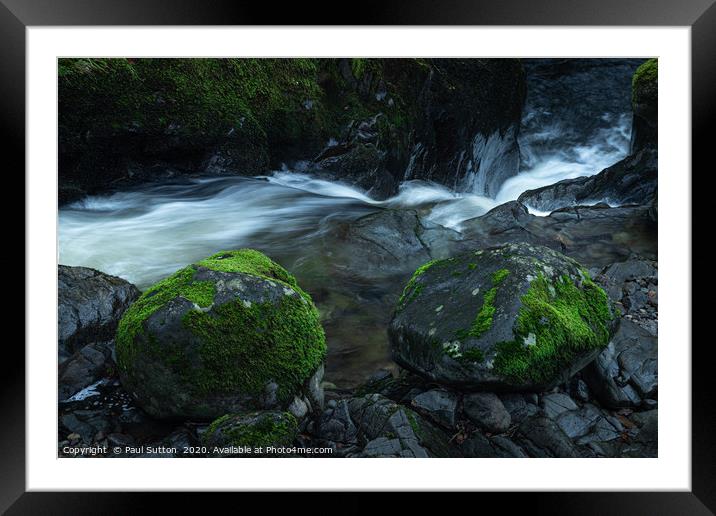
column 146, row 233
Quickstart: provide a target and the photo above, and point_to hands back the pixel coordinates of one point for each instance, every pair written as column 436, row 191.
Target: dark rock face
column 84, row 368
column 626, row 372
column 391, row 430
column 463, row 133
column 466, row 320
column 439, row 405
column 594, row 235
column 645, row 102
column 90, row 304
column 454, row 121
column 630, row 181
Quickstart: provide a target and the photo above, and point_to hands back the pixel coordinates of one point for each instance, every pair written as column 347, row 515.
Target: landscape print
column 353, row 257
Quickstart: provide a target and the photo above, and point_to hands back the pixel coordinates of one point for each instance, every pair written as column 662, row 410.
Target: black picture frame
column 700, row 15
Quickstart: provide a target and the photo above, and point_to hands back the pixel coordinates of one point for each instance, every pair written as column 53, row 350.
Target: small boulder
column 231, row 434
column 230, row 333
column 486, row 410
column 515, row 317
column 90, row 304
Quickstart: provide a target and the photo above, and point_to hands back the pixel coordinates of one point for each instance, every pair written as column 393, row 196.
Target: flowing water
column 144, row 234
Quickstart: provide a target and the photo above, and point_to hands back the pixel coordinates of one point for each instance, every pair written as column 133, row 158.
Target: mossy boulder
column 230, row 333
column 515, row 317
column 645, row 104
column 231, row 434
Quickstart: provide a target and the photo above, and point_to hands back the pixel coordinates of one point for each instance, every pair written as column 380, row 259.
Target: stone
column 627, row 369
column 230, row 333
column 90, row 305
column 253, row 430
column 486, row 410
column 505, row 319
column 556, row 403
column 437, row 404
column 83, row 368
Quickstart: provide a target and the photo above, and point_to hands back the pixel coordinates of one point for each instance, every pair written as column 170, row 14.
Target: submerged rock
column 229, row 333
column 516, row 317
column 90, row 304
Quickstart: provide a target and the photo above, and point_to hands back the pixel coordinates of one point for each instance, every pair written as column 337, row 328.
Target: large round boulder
column 516, row 317
column 230, row 333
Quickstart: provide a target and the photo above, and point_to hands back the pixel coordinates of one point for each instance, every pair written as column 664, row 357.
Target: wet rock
column 228, row 434
column 83, row 368
column 438, row 405
column 475, row 320
column 90, row 304
column 336, row 425
column 518, row 406
column 541, row 437
column 486, row 410
column 630, row 181
column 594, row 235
column 577, row 423
column 376, row 416
column 626, row 371
column 388, row 242
column 230, row 333
column 578, row 389
column 556, row 403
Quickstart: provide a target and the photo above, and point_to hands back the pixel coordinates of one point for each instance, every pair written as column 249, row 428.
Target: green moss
column 413, row 289
column 250, row 261
column 243, row 348
column 562, row 320
column 412, row 419
column 265, row 430
column 179, row 284
column 499, row 276
column 645, row 82
column 483, row 320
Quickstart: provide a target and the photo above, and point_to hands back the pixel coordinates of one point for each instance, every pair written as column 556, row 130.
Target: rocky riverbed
column 379, row 316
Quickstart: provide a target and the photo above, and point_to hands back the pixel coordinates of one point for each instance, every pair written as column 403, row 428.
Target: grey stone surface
column 487, row 410
column 437, row 404
column 90, row 304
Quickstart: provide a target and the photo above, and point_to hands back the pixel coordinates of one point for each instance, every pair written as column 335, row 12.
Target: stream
column 146, row 233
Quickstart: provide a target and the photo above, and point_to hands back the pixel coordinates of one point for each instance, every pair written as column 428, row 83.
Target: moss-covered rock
column 130, row 120
column 231, row 332
column 511, row 317
column 230, row 433
column 645, row 97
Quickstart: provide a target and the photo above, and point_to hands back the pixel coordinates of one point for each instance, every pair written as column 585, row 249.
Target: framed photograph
column 426, row 251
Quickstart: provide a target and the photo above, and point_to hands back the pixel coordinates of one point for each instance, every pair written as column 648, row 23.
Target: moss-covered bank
column 127, row 120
